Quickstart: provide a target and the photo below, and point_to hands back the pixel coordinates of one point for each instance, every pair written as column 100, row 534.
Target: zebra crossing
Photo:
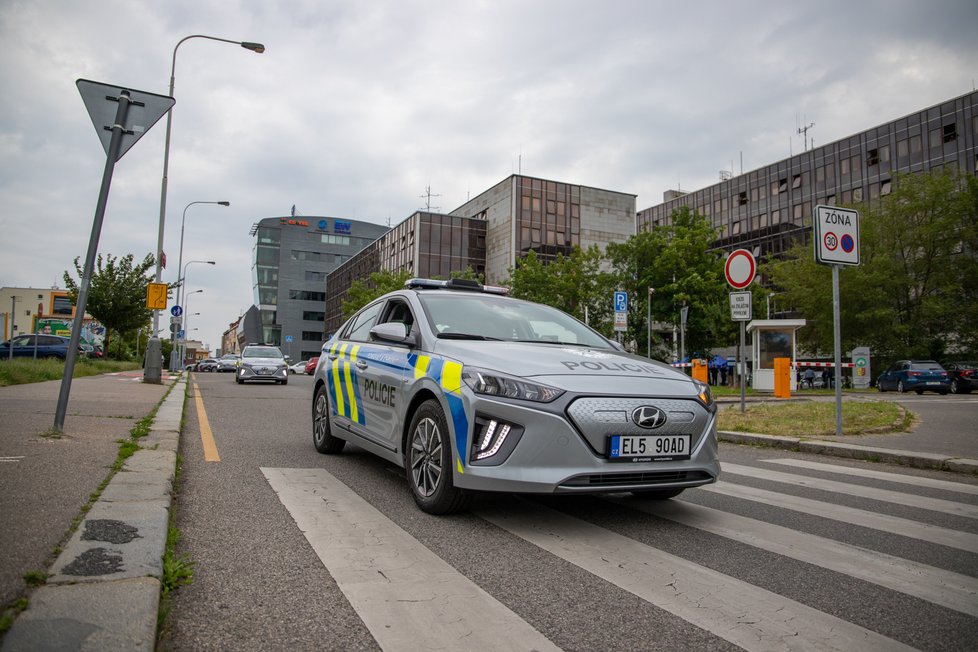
column 410, row 598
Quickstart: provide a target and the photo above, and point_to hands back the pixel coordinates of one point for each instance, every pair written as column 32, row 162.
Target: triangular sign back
column 145, row 111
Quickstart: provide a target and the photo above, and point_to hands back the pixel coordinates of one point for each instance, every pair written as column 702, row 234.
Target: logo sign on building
column 740, row 269
column 836, row 235
column 340, row 226
column 740, row 306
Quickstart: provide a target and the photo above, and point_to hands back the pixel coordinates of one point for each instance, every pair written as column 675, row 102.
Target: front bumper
column 246, row 374
column 555, row 454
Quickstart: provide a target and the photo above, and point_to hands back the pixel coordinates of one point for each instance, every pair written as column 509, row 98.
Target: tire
column 238, row 380
column 900, row 387
column 322, row 433
column 285, row 381
column 955, row 389
column 658, row 494
column 429, row 464
column 879, row 387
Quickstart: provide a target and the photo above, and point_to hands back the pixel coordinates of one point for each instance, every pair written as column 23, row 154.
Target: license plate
column 932, row 382
column 649, row 448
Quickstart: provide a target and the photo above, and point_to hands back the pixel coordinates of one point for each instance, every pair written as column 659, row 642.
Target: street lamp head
column 254, row 47
column 224, row 203
column 210, row 262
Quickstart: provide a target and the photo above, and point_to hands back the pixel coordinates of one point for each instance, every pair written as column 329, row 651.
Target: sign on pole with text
column 836, row 235
column 740, row 306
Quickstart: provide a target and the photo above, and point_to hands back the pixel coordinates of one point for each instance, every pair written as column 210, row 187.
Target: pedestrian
column 810, row 378
column 826, row 378
column 723, row 375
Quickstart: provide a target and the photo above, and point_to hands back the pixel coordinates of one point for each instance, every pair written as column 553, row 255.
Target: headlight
column 704, row 395
column 491, row 383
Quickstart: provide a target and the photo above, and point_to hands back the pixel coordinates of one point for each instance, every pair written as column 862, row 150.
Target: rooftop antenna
column 803, row 131
column 427, row 197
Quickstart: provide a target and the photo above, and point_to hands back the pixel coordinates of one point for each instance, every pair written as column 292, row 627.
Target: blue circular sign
column 848, row 243
column 176, row 311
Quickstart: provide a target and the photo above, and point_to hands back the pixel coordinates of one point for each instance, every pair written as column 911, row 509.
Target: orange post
column 782, row 377
column 700, row 370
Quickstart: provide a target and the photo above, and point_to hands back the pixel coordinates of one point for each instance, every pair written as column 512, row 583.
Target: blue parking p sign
column 621, row 301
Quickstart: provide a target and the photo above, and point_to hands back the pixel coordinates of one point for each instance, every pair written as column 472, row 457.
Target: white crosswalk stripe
column 410, row 599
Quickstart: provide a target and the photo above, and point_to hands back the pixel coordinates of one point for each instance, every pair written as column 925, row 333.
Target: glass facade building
column 291, row 259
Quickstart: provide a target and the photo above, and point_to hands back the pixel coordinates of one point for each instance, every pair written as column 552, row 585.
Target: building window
column 820, row 174
column 742, row 198
column 950, row 133
column 312, row 336
column 903, row 149
column 796, row 181
column 311, row 315
column 857, row 194
column 783, row 185
column 873, row 157
column 934, row 138
column 844, row 167
column 306, row 295
column 885, row 153
column 886, row 187
column 915, row 144
column 315, row 277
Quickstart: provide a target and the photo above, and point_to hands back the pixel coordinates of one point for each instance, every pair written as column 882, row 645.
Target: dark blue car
column 47, row 346
column 915, row 375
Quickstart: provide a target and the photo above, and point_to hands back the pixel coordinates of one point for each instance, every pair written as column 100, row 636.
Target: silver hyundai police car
column 470, row 390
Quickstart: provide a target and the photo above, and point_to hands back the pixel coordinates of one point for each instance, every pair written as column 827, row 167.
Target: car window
column 51, row 340
column 926, row 366
column 360, row 328
column 262, row 352
column 501, row 318
column 23, row 340
column 398, row 312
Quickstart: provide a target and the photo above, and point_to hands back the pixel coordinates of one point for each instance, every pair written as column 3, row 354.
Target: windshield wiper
column 466, row 336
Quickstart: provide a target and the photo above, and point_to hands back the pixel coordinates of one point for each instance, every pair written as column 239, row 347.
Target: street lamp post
column 173, row 359
column 648, row 320
column 176, row 358
column 153, row 348
column 186, row 331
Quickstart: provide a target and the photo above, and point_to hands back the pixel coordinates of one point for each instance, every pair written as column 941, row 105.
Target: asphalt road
column 295, row 550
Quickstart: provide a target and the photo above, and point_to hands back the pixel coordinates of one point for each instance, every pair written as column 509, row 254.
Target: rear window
column 926, row 366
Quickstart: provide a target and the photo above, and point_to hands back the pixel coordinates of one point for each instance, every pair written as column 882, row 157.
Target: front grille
column 628, row 479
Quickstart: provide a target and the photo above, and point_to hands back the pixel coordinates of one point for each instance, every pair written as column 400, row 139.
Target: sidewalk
column 102, row 592
column 103, row 589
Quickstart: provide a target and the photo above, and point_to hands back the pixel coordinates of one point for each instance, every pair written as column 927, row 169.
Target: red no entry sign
column 740, row 269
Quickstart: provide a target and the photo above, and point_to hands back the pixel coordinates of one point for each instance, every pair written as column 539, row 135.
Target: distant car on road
column 915, row 375
column 311, row 365
column 297, row 368
column 262, row 362
column 207, row 364
column 47, row 346
column 228, row 362
column 964, row 376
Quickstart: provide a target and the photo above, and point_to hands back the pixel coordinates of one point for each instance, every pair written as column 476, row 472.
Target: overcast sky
column 357, row 106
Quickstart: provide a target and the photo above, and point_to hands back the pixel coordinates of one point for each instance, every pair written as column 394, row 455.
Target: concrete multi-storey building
column 768, row 209
column 490, row 232
column 291, row 258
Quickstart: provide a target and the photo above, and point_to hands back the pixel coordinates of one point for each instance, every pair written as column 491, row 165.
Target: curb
column 103, row 590
column 932, row 461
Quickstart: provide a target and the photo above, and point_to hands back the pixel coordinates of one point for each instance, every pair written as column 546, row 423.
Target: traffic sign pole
column 837, row 338
column 740, row 270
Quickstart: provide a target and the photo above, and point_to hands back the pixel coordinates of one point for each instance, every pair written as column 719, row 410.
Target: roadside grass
column 816, row 419
column 178, row 569
column 20, row 371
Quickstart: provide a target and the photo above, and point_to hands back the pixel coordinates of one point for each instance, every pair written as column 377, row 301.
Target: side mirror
column 395, row 332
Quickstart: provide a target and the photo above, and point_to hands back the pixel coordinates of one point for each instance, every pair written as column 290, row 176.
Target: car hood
column 265, row 362
column 573, row 368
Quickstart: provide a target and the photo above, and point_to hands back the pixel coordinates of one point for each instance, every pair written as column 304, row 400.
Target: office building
column 768, row 209
column 490, row 233
column 291, row 258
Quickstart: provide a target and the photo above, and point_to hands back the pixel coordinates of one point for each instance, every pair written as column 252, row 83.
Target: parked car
column 468, row 389
column 915, row 375
column 311, row 365
column 47, row 346
column 207, row 365
column 297, row 368
column 262, row 362
column 964, row 376
column 228, row 362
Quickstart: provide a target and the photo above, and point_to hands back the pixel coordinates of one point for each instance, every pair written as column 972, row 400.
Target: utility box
column 700, row 370
column 782, row 377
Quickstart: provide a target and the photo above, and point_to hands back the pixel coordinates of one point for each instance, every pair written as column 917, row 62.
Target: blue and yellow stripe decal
column 448, row 375
column 344, row 387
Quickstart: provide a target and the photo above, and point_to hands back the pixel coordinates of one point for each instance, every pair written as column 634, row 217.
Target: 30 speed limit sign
column 836, row 235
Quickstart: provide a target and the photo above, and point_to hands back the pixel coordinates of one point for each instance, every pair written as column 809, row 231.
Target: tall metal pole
column 648, row 319
column 154, row 346
column 743, row 366
column 13, row 316
column 837, row 336
column 115, row 144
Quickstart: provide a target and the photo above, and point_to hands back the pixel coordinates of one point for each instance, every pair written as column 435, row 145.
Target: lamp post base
column 153, row 369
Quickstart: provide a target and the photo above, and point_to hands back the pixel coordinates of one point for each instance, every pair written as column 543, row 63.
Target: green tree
column 117, row 294
column 677, row 262
column 363, row 292
column 572, row 283
column 914, row 291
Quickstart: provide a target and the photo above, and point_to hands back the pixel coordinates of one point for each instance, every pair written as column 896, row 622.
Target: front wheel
column 429, row 462
column 955, row 389
column 901, row 388
column 322, row 433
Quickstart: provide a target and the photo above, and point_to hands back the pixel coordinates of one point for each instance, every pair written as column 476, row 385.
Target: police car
column 471, row 390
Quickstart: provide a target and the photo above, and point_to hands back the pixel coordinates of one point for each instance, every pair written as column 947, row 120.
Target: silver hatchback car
column 471, row 390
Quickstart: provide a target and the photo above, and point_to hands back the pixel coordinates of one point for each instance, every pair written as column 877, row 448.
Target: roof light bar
column 454, row 284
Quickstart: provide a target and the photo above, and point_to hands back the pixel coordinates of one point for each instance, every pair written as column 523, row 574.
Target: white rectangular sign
column 621, row 321
column 836, row 235
column 740, row 306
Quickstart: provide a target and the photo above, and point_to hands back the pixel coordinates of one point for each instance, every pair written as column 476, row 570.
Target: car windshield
column 926, row 366
column 967, row 365
column 456, row 315
column 262, row 352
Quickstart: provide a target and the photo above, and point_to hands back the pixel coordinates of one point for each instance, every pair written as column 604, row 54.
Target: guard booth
column 770, row 339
